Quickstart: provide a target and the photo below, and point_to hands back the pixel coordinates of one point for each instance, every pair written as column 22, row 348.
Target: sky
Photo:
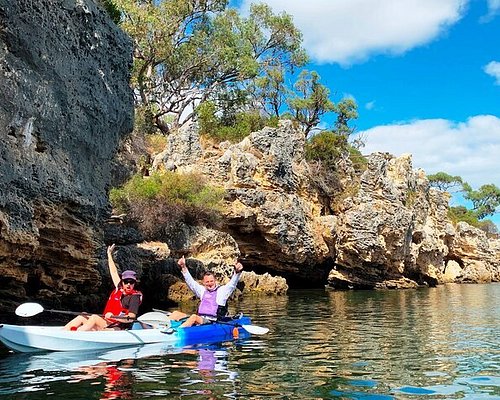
column 424, row 73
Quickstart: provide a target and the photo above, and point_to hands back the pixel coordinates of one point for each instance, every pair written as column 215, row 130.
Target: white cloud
column 370, row 105
column 347, row 31
column 469, row 149
column 493, row 10
column 493, row 69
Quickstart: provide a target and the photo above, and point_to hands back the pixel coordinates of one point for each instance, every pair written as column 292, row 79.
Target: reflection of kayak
column 54, row 338
column 72, row 360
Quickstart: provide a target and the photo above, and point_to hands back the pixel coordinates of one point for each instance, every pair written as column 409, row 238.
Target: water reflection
column 438, row 343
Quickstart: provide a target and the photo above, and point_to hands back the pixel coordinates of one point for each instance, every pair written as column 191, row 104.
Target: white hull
column 28, row 339
column 55, row 338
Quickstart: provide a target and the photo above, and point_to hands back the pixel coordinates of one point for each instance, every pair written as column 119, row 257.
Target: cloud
column 493, row 10
column 493, row 69
column 469, row 149
column 348, row 31
column 370, row 105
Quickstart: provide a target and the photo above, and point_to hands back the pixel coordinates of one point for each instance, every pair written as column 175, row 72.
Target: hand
column 108, row 315
column 110, row 249
column 182, row 262
column 238, row 267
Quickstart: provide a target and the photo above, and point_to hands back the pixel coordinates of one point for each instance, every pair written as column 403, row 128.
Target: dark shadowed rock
column 64, row 105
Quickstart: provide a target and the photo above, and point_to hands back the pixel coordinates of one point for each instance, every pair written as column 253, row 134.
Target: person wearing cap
column 213, row 297
column 122, row 306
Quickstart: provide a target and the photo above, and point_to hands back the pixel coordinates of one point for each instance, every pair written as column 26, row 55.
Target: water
column 441, row 343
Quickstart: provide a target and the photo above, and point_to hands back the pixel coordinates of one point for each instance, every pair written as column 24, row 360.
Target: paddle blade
column 255, row 330
column 28, row 309
column 154, row 318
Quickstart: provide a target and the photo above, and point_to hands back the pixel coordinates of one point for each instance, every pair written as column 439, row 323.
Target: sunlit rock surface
column 382, row 228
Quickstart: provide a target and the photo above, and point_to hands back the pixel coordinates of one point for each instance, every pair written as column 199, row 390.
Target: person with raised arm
column 213, row 297
column 122, row 306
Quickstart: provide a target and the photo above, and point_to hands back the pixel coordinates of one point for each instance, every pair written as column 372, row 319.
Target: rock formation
column 64, row 104
column 384, row 228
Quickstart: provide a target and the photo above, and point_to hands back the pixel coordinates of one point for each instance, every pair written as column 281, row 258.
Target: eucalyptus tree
column 445, row 182
column 310, row 101
column 190, row 51
column 485, row 200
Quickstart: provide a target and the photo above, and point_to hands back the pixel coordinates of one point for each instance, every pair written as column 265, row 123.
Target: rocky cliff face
column 388, row 228
column 64, row 104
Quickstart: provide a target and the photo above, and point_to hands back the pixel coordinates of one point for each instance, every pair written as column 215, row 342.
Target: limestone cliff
column 384, row 228
column 64, row 104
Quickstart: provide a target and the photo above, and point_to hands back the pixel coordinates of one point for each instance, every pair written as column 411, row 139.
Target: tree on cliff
column 445, row 182
column 311, row 100
column 485, row 200
column 191, row 51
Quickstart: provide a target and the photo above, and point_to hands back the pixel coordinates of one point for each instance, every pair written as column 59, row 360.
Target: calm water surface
column 441, row 343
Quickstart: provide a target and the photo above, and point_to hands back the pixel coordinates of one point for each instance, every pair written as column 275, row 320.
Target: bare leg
column 177, row 315
column 75, row 322
column 94, row 323
column 192, row 320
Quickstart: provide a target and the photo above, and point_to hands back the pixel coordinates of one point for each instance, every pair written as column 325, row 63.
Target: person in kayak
column 122, row 306
column 213, row 297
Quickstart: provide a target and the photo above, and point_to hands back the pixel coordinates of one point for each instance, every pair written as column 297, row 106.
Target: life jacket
column 114, row 304
column 208, row 304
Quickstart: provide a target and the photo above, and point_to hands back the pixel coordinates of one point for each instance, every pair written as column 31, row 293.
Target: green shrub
column 329, row 147
column 155, row 143
column 158, row 203
column 233, row 129
column 325, row 147
column 111, row 9
column 462, row 214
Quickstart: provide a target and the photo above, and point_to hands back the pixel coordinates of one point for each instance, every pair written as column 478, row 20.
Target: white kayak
column 55, row 338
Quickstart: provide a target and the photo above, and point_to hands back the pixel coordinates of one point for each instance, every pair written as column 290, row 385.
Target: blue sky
column 425, row 75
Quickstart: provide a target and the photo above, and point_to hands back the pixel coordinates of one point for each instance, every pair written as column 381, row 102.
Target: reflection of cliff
column 386, row 339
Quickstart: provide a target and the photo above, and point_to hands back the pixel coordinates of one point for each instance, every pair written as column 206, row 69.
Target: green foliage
column 330, row 147
column 158, row 203
column 234, row 130
column 359, row 162
column 111, row 9
column 462, row 214
column 269, row 90
column 143, row 122
column 326, row 147
column 190, row 51
column 311, row 100
column 445, row 182
column 485, row 200
column 489, row 227
column 346, row 110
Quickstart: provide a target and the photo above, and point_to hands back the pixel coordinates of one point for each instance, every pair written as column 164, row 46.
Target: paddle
column 154, row 318
column 253, row 329
column 31, row 309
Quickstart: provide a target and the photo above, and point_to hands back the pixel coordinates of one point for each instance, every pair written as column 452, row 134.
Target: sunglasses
column 128, row 281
